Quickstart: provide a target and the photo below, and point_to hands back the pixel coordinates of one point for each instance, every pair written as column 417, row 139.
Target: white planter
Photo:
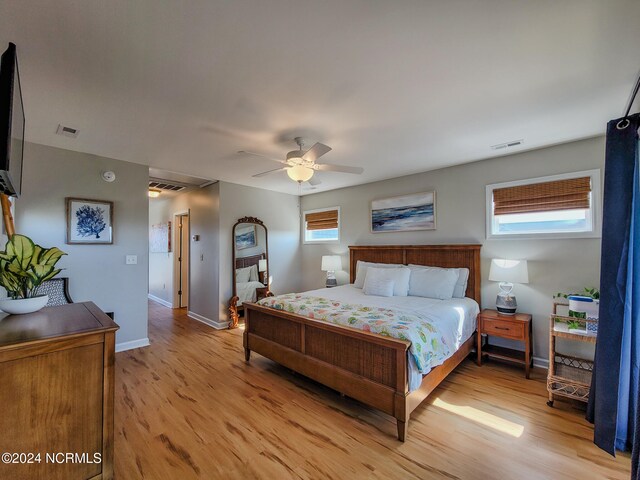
column 20, row 306
column 586, row 307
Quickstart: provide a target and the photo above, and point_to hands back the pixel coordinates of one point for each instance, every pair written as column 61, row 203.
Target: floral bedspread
column 429, row 347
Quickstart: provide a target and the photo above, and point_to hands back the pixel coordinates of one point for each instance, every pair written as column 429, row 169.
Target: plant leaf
column 50, row 275
column 51, row 256
column 22, row 248
column 35, row 258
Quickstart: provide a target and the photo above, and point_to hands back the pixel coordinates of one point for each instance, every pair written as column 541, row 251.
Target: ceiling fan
column 300, row 165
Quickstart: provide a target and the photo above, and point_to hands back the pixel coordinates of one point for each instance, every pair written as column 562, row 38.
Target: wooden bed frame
column 368, row 367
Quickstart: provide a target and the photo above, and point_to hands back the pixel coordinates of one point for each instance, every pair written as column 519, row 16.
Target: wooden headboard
column 446, row 256
column 242, row 262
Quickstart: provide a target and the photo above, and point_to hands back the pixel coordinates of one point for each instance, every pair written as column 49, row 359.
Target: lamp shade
column 300, row 173
column 331, row 263
column 509, row 271
column 262, row 265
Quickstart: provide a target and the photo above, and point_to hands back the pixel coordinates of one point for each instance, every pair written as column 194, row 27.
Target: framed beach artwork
column 405, row 213
column 245, row 237
column 89, row 221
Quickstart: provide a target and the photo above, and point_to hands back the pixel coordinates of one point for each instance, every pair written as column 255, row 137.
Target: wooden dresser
column 56, row 394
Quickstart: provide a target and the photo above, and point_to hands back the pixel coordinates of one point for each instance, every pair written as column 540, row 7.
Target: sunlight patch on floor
column 483, row 418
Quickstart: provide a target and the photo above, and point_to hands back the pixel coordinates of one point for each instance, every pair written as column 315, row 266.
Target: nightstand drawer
column 503, row 328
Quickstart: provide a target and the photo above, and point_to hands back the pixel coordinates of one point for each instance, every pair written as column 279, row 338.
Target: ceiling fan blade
column 244, row 152
column 313, row 181
column 316, row 152
column 339, row 168
column 269, row 172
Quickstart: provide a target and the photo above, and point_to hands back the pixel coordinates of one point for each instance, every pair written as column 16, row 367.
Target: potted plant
column 24, row 266
column 584, row 305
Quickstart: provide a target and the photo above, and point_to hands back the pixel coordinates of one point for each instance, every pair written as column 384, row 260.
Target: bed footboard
column 368, row 367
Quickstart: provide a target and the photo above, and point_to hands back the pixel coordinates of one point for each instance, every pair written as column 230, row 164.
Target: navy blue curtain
column 613, row 399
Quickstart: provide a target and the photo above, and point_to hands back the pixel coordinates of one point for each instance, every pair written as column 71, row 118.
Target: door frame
column 176, row 253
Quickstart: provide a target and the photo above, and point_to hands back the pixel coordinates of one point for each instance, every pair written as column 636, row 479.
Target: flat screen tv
column 11, row 124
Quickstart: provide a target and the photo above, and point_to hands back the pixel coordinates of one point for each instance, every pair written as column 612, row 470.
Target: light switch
column 132, row 260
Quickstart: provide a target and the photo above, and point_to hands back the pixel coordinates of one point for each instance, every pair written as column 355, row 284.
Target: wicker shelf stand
column 568, row 376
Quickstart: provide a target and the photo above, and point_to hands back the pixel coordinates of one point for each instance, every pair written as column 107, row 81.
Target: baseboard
column 208, row 321
column 141, row 342
column 541, row 362
column 160, row 301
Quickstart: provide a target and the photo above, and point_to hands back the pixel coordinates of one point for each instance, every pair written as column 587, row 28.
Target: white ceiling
column 396, row 87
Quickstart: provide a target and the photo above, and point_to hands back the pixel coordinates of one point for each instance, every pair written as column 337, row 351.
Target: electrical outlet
column 132, row 260
column 202, row 257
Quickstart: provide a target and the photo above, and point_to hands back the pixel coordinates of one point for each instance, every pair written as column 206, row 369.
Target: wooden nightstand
column 514, row 327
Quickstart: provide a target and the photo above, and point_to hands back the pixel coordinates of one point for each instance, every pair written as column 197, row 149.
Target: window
column 554, row 207
column 322, row 225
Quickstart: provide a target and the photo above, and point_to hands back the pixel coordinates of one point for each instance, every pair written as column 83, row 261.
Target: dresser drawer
column 503, row 328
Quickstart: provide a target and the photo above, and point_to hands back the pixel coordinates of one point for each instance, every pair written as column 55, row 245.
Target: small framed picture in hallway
column 89, row 221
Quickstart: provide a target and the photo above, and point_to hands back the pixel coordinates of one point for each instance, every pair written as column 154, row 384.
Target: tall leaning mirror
column 250, row 266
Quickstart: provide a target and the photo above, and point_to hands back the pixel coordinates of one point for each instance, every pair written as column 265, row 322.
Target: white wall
column 554, row 265
column 281, row 215
column 97, row 272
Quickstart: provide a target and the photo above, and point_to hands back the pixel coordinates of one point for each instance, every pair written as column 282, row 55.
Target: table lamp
column 331, row 263
column 262, row 267
column 508, row 272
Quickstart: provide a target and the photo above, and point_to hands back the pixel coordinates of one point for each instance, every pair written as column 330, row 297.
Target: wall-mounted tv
column 11, row 124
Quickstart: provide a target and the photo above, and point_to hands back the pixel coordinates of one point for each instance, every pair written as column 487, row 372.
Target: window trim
column 304, row 226
column 596, row 207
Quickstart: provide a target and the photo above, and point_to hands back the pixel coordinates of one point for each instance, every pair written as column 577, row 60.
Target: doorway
column 181, row 260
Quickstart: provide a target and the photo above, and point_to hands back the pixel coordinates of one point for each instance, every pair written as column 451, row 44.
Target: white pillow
column 400, row 277
column 361, row 270
column 433, row 282
column 243, row 274
column 461, row 284
column 253, row 273
column 378, row 282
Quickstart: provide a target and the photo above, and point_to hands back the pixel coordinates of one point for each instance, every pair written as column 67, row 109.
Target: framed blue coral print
column 89, row 221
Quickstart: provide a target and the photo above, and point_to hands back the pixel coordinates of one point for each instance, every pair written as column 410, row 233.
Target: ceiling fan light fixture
column 153, row 193
column 300, row 173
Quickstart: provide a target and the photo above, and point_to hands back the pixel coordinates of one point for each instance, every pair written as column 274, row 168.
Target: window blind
column 321, row 220
column 569, row 194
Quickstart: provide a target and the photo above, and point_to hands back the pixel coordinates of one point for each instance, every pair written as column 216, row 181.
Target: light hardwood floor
column 189, row 407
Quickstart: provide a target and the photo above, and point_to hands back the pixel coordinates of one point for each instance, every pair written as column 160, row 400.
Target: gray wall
column 280, row 214
column 214, row 210
column 554, row 265
column 96, row 272
column 203, row 206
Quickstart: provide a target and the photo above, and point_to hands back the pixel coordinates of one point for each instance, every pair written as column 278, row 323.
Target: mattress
column 456, row 318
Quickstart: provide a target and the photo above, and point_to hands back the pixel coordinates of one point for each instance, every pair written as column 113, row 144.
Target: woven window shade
column 567, row 194
column 322, row 220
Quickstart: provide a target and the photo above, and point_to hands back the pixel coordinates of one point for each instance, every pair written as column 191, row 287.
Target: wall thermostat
column 195, row 238
column 108, row 176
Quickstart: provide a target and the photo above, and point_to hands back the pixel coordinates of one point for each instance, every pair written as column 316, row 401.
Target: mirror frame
column 234, row 308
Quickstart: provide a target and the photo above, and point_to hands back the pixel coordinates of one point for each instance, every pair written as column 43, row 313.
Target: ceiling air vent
column 502, row 146
column 170, row 187
column 67, row 131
